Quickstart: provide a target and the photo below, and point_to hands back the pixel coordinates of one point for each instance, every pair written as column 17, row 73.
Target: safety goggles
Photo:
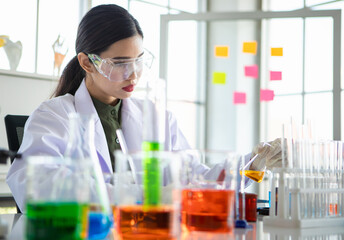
column 121, row 69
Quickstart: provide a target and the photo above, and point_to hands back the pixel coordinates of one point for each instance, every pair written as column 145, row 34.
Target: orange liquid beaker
column 142, row 222
column 207, row 210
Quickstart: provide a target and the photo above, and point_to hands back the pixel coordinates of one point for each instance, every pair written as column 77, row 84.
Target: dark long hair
column 102, row 26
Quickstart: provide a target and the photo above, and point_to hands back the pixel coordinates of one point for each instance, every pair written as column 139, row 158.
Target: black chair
column 15, row 131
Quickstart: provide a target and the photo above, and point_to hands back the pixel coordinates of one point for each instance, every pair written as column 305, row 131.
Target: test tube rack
column 305, row 199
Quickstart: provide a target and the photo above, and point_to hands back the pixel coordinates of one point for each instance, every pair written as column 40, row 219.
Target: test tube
column 335, row 149
column 154, row 115
column 154, row 118
column 327, row 177
column 317, row 183
column 302, row 160
column 322, row 177
column 339, row 165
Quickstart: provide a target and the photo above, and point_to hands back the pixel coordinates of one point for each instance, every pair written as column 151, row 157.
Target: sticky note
column 266, row 95
column 276, row 51
column 274, row 75
column 219, row 78
column 250, row 47
column 239, row 98
column 221, row 51
column 251, row 71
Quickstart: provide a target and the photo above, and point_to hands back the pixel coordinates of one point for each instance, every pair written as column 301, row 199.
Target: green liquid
column 56, row 220
column 151, row 176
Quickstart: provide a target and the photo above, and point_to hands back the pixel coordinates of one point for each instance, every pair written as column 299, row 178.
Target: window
column 43, row 22
column 305, row 81
column 306, row 90
column 53, row 20
column 318, row 4
column 183, row 85
column 23, row 31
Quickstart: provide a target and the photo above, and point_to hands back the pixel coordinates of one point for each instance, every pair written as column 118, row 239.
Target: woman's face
column 108, row 91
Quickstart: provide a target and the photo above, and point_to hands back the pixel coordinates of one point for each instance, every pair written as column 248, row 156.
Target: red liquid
column 250, row 206
column 141, row 222
column 207, row 210
column 333, row 209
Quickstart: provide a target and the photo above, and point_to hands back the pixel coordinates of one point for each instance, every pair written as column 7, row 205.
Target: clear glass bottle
column 81, row 148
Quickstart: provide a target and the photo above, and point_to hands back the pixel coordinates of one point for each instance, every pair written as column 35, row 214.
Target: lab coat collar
column 84, row 106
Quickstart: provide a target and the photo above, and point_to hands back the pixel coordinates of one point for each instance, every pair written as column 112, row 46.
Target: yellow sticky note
column 219, row 78
column 221, row 51
column 250, row 47
column 276, row 51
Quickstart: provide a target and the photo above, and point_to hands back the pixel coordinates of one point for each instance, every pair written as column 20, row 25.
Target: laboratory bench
column 258, row 232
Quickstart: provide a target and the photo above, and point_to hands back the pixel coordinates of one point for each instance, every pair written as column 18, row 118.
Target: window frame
column 260, row 15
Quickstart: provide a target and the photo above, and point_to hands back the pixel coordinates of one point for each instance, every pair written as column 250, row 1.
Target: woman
column 109, row 33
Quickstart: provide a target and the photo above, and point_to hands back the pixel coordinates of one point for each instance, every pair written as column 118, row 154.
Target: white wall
column 20, row 94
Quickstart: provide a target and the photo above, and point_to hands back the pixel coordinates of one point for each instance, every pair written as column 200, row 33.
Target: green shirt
column 110, row 117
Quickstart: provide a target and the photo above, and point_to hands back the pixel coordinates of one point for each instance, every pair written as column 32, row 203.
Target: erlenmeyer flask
column 81, row 148
column 255, row 175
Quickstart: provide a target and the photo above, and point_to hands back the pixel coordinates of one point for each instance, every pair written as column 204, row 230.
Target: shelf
column 33, row 76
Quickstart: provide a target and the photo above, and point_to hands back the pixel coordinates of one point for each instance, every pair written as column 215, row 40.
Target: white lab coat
column 46, row 133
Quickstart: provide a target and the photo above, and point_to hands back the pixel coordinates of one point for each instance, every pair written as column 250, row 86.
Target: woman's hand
column 269, row 155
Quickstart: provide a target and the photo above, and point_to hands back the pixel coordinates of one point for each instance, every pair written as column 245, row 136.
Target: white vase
column 13, row 52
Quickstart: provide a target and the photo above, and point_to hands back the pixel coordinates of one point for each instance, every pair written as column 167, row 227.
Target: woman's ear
column 85, row 63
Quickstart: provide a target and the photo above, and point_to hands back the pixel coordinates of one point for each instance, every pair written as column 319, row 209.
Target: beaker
column 57, row 198
column 208, row 193
column 135, row 219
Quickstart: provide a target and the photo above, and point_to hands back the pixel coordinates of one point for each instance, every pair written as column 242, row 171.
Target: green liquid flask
column 56, row 220
column 57, row 198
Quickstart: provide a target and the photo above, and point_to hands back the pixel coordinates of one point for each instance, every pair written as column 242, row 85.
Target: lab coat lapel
column 131, row 121
column 84, row 106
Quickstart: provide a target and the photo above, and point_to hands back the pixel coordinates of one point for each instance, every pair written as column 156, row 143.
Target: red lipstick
column 129, row 88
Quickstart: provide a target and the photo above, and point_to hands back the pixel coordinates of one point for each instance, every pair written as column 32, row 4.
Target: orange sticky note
column 221, row 51
column 266, row 95
column 239, row 98
column 219, row 78
column 277, row 52
column 275, row 75
column 250, row 47
column 251, row 71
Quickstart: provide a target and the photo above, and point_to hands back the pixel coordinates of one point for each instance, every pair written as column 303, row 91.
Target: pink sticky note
column 275, row 76
column 239, row 98
column 251, row 71
column 266, row 95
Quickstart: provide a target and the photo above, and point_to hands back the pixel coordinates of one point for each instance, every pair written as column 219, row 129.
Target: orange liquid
column 254, row 175
column 141, row 222
column 207, row 210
